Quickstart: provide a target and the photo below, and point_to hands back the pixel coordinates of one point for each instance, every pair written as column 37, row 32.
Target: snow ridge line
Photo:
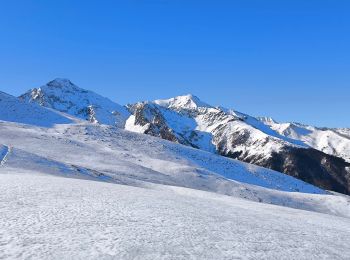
column 5, row 154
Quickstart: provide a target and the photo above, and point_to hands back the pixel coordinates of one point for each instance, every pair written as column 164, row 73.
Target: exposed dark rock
column 310, row 165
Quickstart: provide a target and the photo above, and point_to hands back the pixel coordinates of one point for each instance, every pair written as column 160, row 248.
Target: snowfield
column 62, row 198
column 47, row 217
column 71, row 189
column 14, row 110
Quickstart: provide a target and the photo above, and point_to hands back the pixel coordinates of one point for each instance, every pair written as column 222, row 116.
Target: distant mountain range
column 320, row 156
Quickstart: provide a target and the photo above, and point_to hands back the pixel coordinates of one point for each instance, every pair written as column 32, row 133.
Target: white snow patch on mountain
column 131, row 126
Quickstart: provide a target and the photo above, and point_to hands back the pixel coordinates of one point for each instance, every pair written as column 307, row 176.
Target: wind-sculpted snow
column 64, row 96
column 45, row 217
column 14, row 110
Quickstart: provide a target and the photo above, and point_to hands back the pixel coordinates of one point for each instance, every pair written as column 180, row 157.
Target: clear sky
column 288, row 59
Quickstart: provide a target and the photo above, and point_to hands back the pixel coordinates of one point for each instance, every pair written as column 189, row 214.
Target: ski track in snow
column 4, row 153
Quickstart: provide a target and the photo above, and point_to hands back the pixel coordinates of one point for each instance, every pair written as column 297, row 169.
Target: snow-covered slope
column 14, row 110
column 189, row 121
column 64, row 96
column 106, row 153
column 331, row 141
column 133, row 159
column 90, row 150
column 61, row 195
column 46, row 217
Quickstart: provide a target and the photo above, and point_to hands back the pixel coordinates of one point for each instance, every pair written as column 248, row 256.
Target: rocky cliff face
column 152, row 122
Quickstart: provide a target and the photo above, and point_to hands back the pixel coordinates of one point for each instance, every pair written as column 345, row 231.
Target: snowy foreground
column 48, row 217
column 61, row 198
column 75, row 190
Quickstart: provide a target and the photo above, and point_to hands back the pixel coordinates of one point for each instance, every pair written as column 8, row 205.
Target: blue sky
column 285, row 59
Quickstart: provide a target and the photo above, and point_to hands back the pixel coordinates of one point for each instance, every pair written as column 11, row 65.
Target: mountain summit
column 64, row 96
column 188, row 101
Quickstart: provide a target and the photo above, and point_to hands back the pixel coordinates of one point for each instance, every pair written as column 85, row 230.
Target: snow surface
column 106, row 148
column 61, row 196
column 12, row 109
column 114, row 155
column 46, row 217
column 131, row 126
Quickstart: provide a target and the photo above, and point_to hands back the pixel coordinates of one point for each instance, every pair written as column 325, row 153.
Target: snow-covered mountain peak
column 62, row 86
column 61, row 83
column 267, row 120
column 65, row 96
column 188, row 101
column 57, row 87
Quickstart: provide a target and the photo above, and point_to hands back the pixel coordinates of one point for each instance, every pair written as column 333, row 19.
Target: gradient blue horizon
column 286, row 59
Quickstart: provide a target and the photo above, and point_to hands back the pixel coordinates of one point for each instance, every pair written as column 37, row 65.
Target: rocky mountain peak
column 63, row 95
column 65, row 86
column 267, row 120
column 60, row 82
column 188, row 101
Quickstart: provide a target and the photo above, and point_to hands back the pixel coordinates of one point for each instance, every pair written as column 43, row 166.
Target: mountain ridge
column 188, row 120
column 240, row 136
